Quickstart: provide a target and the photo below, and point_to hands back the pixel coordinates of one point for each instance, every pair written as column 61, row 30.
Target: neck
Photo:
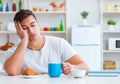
column 37, row 44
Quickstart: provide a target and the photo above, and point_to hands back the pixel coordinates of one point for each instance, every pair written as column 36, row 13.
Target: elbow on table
column 11, row 72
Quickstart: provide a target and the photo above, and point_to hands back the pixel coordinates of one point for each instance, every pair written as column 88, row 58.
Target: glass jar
column 107, row 7
column 116, row 8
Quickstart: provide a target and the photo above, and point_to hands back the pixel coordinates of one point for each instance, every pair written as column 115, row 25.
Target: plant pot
column 84, row 22
column 111, row 27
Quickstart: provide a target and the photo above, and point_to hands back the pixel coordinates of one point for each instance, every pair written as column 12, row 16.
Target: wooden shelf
column 107, row 54
column 12, row 32
column 111, row 12
column 3, row 51
column 7, row 12
column 38, row 12
column 6, row 32
column 52, row 31
column 51, row 12
column 111, row 51
column 109, row 32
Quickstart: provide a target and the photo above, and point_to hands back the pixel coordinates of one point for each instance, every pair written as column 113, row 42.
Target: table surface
column 45, row 79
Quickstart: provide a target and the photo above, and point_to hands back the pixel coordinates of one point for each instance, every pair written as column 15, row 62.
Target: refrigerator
column 86, row 40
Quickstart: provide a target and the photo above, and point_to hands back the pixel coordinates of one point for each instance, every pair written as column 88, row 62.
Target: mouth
column 31, row 35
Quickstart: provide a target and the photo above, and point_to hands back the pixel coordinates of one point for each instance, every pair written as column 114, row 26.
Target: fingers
column 66, row 68
column 18, row 26
column 20, row 32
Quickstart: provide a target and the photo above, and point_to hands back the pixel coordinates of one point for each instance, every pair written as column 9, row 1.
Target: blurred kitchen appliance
column 85, row 39
column 114, row 43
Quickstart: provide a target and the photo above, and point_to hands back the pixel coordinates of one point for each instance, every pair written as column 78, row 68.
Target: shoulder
column 54, row 39
column 57, row 41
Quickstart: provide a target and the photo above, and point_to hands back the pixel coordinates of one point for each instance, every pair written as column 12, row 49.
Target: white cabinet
column 86, row 41
column 110, row 10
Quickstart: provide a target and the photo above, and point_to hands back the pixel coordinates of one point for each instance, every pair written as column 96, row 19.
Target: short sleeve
column 66, row 50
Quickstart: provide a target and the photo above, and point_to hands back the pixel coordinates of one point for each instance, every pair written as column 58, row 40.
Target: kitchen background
column 73, row 11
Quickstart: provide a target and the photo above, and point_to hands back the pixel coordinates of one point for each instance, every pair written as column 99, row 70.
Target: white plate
column 34, row 76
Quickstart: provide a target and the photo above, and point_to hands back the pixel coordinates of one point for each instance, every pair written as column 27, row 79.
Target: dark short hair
column 22, row 14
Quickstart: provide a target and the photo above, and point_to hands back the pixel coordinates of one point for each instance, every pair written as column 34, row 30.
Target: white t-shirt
column 55, row 50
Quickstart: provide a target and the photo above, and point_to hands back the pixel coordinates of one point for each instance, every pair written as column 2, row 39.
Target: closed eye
column 33, row 25
column 24, row 28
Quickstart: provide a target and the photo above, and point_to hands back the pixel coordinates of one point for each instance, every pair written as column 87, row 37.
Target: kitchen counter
column 45, row 79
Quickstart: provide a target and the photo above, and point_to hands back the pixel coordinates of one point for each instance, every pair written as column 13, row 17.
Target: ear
column 38, row 24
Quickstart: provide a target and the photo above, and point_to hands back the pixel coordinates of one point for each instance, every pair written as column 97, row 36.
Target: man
column 36, row 51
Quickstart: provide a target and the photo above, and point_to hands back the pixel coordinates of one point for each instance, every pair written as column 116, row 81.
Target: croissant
column 6, row 46
column 29, row 71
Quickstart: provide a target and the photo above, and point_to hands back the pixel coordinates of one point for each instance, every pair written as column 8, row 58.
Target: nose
column 29, row 30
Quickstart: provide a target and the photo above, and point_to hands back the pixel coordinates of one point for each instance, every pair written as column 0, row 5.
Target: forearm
column 81, row 66
column 14, row 63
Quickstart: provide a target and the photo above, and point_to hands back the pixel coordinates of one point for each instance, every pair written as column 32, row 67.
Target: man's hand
column 20, row 32
column 67, row 68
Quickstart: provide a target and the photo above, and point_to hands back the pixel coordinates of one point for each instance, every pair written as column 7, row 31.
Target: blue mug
column 54, row 69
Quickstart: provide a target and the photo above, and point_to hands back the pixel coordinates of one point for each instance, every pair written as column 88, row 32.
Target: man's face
column 30, row 26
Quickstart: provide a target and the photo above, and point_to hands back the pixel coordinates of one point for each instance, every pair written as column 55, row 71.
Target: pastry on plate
column 29, row 72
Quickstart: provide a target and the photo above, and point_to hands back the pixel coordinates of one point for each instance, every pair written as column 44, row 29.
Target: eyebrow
column 30, row 23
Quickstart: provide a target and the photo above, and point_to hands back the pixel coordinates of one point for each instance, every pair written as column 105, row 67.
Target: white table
column 45, row 79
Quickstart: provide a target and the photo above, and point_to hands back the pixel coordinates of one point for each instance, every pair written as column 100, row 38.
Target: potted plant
column 111, row 24
column 84, row 15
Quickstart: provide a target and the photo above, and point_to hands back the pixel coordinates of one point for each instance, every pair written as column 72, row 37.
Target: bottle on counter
column 61, row 27
column 20, row 4
column 1, row 5
column 14, row 8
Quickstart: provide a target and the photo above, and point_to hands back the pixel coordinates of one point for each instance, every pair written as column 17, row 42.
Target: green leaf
column 84, row 14
column 111, row 22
